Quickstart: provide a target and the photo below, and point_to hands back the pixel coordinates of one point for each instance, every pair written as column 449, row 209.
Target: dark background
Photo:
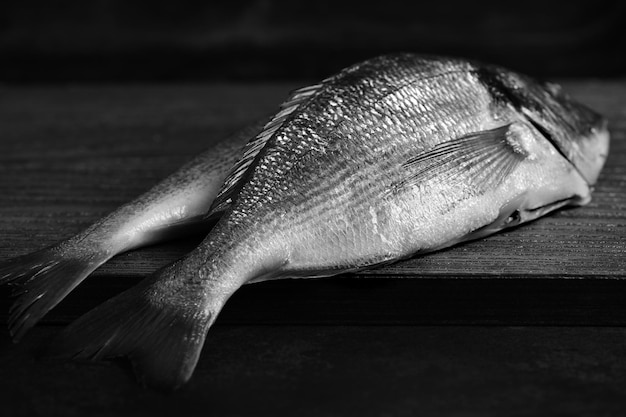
column 44, row 41
column 529, row 322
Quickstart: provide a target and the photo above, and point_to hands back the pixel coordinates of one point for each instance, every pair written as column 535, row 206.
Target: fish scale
column 318, row 193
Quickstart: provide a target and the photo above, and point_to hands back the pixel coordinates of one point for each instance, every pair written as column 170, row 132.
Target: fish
column 392, row 157
column 174, row 208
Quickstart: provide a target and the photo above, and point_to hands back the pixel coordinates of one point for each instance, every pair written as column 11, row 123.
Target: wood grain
column 69, row 155
column 324, row 371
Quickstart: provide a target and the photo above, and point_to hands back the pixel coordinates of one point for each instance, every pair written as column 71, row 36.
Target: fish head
column 579, row 133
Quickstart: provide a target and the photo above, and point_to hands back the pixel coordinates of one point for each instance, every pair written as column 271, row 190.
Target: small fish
column 391, row 157
column 173, row 208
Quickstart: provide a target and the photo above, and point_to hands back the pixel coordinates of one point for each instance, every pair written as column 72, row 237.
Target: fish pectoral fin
column 482, row 158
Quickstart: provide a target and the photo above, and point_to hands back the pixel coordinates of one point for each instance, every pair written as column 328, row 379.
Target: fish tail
column 42, row 279
column 160, row 325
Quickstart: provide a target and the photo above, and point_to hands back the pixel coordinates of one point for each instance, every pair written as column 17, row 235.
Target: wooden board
column 332, row 371
column 69, row 155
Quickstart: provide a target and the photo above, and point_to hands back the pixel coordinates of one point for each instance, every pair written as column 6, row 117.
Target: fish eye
column 513, row 219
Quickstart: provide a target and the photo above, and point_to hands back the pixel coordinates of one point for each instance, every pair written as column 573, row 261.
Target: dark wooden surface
column 360, row 371
column 70, row 154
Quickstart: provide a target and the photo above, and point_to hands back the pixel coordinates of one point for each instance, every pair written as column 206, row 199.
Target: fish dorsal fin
column 255, row 145
column 486, row 158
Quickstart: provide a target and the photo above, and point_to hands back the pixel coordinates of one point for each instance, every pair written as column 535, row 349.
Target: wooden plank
column 363, row 371
column 392, row 300
column 68, row 155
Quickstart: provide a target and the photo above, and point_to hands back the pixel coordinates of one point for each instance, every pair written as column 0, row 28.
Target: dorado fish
column 391, row 157
column 173, row 208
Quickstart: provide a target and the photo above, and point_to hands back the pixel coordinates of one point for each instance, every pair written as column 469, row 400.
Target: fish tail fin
column 42, row 279
column 160, row 325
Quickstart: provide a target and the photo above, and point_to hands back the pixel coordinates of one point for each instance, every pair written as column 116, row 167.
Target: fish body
column 175, row 207
column 401, row 155
column 391, row 157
